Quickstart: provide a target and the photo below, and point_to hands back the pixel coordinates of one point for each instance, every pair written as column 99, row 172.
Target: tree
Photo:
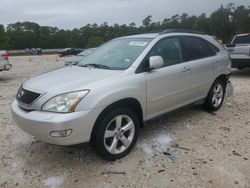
column 221, row 23
column 224, row 23
column 4, row 39
column 147, row 21
column 241, row 19
column 132, row 24
column 94, row 41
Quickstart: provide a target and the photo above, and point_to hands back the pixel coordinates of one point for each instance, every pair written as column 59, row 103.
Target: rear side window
column 196, row 48
column 245, row 39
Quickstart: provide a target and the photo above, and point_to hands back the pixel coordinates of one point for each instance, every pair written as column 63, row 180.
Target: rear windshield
column 245, row 39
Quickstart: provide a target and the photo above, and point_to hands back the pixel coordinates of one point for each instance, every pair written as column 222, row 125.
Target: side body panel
column 167, row 88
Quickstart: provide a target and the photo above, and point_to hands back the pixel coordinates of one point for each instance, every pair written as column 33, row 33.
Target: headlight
column 64, row 103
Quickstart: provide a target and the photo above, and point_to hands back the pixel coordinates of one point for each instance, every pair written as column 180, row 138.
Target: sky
column 69, row 14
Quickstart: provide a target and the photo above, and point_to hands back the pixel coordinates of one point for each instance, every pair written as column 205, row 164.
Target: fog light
column 60, row 134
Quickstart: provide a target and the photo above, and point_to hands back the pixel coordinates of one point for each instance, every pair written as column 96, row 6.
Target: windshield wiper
column 101, row 66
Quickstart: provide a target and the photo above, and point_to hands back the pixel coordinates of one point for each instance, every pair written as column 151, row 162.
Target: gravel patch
column 187, row 148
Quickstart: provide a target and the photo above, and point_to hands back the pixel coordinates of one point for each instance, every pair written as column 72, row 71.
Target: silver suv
column 106, row 97
column 4, row 63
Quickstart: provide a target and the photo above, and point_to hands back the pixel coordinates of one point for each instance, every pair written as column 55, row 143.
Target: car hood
column 68, row 79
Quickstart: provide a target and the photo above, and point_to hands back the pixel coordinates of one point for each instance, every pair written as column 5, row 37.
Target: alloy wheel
column 119, row 134
column 217, row 95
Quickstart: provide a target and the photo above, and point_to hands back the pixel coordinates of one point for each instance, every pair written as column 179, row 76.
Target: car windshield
column 245, row 39
column 86, row 52
column 118, row 54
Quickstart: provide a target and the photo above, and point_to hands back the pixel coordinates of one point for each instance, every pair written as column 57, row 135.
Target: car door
column 167, row 87
column 202, row 66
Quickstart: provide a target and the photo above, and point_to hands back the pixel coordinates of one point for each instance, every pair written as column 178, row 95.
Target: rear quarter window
column 213, row 49
column 197, row 48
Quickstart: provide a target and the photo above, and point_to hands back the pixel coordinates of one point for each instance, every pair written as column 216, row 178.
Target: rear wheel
column 117, row 133
column 215, row 96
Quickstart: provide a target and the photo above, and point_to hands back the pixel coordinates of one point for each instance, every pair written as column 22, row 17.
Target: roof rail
column 182, row 31
column 131, row 33
column 138, row 33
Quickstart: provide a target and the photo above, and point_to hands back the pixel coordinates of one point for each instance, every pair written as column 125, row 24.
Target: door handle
column 185, row 69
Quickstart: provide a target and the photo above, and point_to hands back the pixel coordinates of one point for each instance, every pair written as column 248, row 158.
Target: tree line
column 223, row 23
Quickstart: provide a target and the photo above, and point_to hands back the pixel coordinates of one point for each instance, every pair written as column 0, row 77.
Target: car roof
column 167, row 32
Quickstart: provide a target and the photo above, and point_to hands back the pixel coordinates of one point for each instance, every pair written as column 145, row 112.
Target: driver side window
column 170, row 50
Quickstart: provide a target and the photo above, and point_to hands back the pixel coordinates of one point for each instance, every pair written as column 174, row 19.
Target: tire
column 215, row 96
column 116, row 134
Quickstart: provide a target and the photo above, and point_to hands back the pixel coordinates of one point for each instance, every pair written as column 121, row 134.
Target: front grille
column 25, row 96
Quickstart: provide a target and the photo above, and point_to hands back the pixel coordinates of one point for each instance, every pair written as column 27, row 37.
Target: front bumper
column 41, row 124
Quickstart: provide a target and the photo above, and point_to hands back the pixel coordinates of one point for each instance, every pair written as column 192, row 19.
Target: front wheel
column 215, row 96
column 116, row 134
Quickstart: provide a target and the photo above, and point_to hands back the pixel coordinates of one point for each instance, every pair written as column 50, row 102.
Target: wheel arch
column 223, row 77
column 208, row 103
column 130, row 103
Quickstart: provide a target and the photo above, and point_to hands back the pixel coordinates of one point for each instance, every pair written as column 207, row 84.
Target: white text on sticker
column 138, row 43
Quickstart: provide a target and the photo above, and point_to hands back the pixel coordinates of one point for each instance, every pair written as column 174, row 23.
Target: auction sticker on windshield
column 138, row 43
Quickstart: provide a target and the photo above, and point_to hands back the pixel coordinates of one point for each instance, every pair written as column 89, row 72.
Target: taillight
column 5, row 56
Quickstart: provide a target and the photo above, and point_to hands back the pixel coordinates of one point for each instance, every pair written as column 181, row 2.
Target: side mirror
column 155, row 62
column 68, row 63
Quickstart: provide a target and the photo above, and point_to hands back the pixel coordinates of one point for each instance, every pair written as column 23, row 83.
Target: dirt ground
column 188, row 148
